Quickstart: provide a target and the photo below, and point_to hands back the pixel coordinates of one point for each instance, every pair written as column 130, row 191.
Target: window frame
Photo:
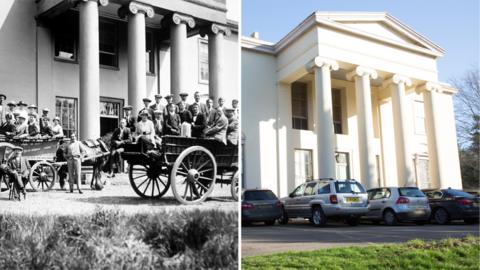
column 151, row 71
column 310, row 154
column 337, row 97
column 115, row 43
column 56, row 31
column 296, row 87
column 203, row 60
column 67, row 132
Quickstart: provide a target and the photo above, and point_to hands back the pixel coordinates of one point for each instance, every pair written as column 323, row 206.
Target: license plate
column 353, row 200
column 263, row 206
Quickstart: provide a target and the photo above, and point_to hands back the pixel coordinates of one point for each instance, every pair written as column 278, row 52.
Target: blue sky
column 452, row 24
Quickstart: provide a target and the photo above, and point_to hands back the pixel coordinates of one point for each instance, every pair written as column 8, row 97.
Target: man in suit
column 158, row 124
column 33, row 128
column 146, row 103
column 11, row 109
column 131, row 121
column 19, row 169
column 8, row 128
column 169, row 99
column 183, row 98
column 44, row 117
column 202, row 108
column 120, row 137
column 199, row 121
column 208, row 108
column 217, row 126
column 157, row 105
column 74, row 154
column 232, row 129
column 172, row 121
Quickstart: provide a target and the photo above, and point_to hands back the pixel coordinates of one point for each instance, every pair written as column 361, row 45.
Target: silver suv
column 397, row 204
column 318, row 200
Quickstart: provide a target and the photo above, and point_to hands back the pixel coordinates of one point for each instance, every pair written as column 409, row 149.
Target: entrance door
column 110, row 114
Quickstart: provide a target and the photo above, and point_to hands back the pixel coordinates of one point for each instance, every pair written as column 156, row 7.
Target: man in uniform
column 217, row 126
column 169, row 99
column 202, row 108
column 131, row 121
column 120, row 137
column 157, row 105
column 146, row 103
column 74, row 153
column 183, row 98
column 232, row 129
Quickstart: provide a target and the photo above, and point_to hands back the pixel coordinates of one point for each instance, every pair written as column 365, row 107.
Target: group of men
column 198, row 120
column 19, row 120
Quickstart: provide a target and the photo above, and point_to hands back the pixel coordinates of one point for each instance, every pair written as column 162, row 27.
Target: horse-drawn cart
column 41, row 153
column 190, row 166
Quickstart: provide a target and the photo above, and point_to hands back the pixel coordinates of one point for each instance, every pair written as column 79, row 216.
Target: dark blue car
column 260, row 205
column 453, row 204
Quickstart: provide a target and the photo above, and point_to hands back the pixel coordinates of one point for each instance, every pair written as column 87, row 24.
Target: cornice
column 257, row 45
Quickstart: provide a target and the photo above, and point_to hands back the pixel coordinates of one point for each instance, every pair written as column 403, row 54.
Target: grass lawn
column 113, row 240
column 416, row 255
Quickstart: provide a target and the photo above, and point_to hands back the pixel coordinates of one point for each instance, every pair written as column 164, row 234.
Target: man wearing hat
column 157, row 105
column 131, row 121
column 169, row 99
column 21, row 109
column 74, row 153
column 11, row 109
column 120, row 137
column 32, row 108
column 8, row 128
column 44, row 118
column 232, row 129
column 202, row 108
column 183, row 98
column 19, row 169
column 146, row 103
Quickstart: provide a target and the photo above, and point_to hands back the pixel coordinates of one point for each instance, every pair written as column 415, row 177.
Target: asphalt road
column 300, row 235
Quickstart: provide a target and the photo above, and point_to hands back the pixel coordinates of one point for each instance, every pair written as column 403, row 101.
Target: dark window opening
column 299, row 106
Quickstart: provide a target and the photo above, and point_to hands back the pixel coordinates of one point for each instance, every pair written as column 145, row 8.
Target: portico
column 347, row 88
column 173, row 24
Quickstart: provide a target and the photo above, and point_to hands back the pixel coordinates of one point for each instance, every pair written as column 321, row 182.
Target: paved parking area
column 300, row 235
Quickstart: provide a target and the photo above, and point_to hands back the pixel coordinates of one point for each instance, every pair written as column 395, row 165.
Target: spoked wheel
column 234, row 186
column 149, row 181
column 193, row 175
column 42, row 176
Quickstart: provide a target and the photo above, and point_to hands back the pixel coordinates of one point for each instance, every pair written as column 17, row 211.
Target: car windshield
column 410, row 192
column 349, row 187
column 459, row 193
column 259, row 195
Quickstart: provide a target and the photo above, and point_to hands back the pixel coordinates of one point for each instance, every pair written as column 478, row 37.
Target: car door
column 291, row 203
column 304, row 201
column 378, row 200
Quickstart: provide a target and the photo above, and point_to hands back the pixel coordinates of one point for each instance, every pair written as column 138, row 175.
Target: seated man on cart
column 232, row 129
column 18, row 170
column 217, row 126
column 120, row 137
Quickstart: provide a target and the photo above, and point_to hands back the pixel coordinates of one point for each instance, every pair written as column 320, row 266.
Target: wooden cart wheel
column 42, row 176
column 234, row 186
column 193, row 175
column 149, row 181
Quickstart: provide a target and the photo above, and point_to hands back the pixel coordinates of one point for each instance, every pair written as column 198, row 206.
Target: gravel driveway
column 116, row 195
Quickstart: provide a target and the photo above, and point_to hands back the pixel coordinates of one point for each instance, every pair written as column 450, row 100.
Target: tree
column 467, row 114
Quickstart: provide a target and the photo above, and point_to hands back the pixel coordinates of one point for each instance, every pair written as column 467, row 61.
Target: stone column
column 178, row 59
column 137, row 78
column 89, row 68
column 363, row 95
column 430, row 92
column 405, row 173
column 324, row 124
column 216, row 75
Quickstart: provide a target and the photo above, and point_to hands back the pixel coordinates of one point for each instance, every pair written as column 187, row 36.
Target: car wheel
column 318, row 217
column 470, row 220
column 390, row 218
column 441, row 216
column 283, row 218
column 353, row 221
column 270, row 222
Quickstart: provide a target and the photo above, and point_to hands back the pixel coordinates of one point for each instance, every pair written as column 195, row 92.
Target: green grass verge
column 112, row 240
column 416, row 255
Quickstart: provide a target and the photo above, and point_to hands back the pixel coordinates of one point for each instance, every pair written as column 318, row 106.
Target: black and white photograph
column 119, row 137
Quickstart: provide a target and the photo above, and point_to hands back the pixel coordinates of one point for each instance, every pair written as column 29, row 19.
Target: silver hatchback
column 397, row 204
column 318, row 200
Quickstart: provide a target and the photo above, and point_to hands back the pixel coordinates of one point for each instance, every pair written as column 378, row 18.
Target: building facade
column 347, row 95
column 86, row 59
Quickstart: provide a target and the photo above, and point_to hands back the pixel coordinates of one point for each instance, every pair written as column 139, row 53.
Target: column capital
column 220, row 29
column 180, row 18
column 397, row 79
column 100, row 2
column 429, row 87
column 362, row 71
column 319, row 62
column 135, row 8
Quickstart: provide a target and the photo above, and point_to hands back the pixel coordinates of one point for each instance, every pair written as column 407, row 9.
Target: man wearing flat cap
column 11, row 109
column 21, row 109
column 32, row 108
column 169, row 99
column 19, row 169
column 131, row 120
column 157, row 105
column 146, row 103
column 183, row 98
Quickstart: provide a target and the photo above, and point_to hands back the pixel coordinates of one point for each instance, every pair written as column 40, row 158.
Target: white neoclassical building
column 86, row 59
column 347, row 95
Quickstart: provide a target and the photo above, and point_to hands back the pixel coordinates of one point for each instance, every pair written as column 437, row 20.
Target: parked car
column 453, row 204
column 322, row 199
column 398, row 204
column 260, row 205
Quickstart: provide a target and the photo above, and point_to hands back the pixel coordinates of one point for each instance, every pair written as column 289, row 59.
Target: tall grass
column 111, row 240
